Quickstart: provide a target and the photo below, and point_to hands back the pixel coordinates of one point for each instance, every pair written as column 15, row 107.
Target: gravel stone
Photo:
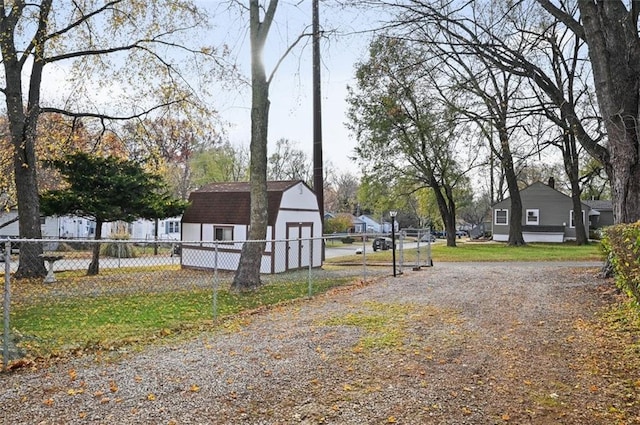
column 481, row 343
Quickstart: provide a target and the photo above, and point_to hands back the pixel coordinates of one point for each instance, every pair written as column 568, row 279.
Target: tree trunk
column 94, row 266
column 248, row 273
column 23, row 120
column 447, row 208
column 570, row 156
column 515, row 221
column 614, row 50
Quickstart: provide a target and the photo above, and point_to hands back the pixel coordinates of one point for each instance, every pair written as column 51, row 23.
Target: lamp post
column 393, row 238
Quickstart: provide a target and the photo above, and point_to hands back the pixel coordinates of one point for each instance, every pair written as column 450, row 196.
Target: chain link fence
column 142, row 290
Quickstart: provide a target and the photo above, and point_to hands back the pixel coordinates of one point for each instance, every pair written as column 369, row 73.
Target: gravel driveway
column 457, row 343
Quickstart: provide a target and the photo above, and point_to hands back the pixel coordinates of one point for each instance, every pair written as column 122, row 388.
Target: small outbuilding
column 216, row 223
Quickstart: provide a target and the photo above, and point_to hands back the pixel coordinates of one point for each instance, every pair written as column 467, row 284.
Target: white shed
column 218, row 217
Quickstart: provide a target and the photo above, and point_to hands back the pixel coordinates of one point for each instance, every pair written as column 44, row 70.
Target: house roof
column 599, row 205
column 507, row 201
column 230, row 203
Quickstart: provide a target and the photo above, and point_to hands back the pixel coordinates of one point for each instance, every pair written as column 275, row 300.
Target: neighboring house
column 74, row 227
column 604, row 216
column 358, row 226
column 370, row 225
column 218, row 218
column 547, row 215
column 168, row 229
column 53, row 227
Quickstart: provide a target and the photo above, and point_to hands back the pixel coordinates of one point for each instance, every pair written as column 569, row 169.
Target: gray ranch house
column 547, row 215
column 216, row 223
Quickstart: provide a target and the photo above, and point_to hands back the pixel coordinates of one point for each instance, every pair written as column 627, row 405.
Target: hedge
column 622, row 245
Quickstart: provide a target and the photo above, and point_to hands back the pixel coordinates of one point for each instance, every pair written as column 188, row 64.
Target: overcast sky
column 291, row 90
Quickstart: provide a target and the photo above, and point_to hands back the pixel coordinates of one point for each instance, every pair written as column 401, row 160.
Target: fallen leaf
column 151, row 397
column 194, row 388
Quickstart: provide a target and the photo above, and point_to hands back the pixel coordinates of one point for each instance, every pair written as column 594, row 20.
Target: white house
column 74, row 227
column 217, row 221
column 168, row 229
column 51, row 227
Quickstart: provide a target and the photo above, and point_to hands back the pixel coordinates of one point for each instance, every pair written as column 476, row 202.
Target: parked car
column 440, row 234
column 428, row 238
column 382, row 243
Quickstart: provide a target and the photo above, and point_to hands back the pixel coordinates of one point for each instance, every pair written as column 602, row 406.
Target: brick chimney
column 552, row 183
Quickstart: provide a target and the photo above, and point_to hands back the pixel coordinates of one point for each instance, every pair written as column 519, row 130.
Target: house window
column 572, row 223
column 223, row 233
column 172, row 227
column 533, row 217
column 501, row 217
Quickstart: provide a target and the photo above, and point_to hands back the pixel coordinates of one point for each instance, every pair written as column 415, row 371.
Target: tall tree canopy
column 107, row 189
column 404, row 136
column 113, row 59
column 610, row 29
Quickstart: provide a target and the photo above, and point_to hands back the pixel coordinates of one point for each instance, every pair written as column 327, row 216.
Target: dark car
column 382, row 243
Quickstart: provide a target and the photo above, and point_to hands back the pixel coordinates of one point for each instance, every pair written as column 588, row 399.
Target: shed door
column 298, row 245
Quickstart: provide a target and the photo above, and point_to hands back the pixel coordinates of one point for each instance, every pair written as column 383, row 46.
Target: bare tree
column 514, row 38
column 248, row 273
column 82, row 37
column 289, row 163
column 260, row 20
column 610, row 29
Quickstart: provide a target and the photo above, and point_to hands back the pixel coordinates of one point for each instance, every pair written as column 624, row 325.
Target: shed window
column 572, row 223
column 533, row 217
column 501, row 217
column 223, row 233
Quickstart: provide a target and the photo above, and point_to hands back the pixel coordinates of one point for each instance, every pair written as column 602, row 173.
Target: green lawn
column 60, row 325
column 490, row 251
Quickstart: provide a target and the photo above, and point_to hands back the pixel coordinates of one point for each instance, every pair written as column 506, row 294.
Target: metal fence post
column 215, row 281
column 429, row 262
column 364, row 258
column 310, row 264
column 401, row 262
column 6, row 304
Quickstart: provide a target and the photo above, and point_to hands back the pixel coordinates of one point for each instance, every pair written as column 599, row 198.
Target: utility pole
column 318, row 179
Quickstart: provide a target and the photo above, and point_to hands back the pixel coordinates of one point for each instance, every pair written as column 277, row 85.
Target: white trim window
column 533, row 217
column 222, row 233
column 501, row 217
column 172, row 226
column 572, row 223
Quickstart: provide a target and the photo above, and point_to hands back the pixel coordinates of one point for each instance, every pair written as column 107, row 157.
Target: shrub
column 347, row 240
column 622, row 245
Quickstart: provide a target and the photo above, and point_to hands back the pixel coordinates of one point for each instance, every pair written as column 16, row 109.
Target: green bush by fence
column 622, row 244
